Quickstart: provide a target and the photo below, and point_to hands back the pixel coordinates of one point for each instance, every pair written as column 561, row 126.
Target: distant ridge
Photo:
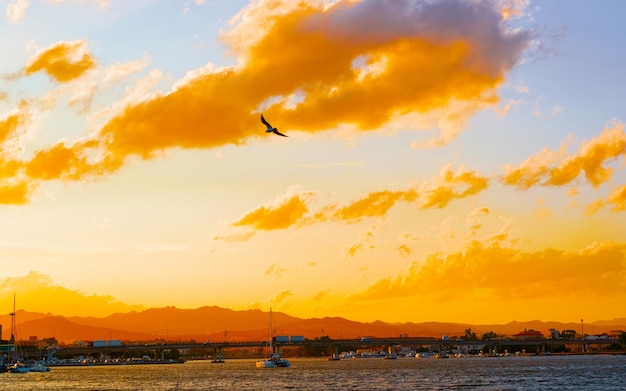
column 221, row 324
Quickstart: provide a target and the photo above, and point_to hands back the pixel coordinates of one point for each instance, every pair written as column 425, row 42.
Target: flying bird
column 270, row 128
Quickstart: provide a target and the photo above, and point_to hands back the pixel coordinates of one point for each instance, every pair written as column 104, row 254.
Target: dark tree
column 489, row 335
column 469, row 336
column 316, row 351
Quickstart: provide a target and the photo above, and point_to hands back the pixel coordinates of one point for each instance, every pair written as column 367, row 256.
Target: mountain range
column 220, row 324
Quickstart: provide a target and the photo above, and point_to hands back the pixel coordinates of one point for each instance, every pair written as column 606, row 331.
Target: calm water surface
column 503, row 373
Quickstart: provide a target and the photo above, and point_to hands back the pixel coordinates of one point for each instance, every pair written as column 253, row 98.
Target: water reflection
column 506, row 373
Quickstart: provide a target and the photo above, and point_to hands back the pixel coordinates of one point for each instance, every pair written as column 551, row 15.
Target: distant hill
column 176, row 321
column 67, row 331
column 609, row 322
column 220, row 324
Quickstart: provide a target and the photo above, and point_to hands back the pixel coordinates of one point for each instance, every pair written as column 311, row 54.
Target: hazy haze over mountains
column 220, row 324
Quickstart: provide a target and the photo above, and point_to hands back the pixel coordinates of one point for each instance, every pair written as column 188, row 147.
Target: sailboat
column 16, row 365
column 274, row 361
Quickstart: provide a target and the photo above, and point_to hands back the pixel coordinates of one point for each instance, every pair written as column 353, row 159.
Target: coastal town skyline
column 454, row 161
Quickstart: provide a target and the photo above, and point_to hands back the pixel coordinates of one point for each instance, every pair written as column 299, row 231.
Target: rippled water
column 503, row 373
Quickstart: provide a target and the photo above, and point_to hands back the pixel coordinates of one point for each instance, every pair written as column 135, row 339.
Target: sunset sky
column 456, row 161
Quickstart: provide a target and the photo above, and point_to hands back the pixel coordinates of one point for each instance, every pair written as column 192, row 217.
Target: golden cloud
column 63, row 162
column 618, row 199
column 406, row 238
column 404, row 250
column 508, row 273
column 362, row 63
column 550, row 168
column 594, row 207
column 473, row 220
column 9, row 168
column 36, row 292
column 282, row 296
column 375, row 204
column 282, row 213
column 14, row 190
column 439, row 191
column 9, row 125
column 14, row 193
column 275, row 270
column 365, row 239
column 321, row 295
column 64, row 61
column 291, row 209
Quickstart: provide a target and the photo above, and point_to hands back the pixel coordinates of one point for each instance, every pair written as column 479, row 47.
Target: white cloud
column 16, row 10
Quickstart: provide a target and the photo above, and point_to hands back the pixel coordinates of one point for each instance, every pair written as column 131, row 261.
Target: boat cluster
column 90, row 361
column 364, row 354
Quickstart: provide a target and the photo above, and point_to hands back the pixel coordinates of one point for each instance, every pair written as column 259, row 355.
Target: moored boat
column 38, row 367
column 18, row 367
column 265, row 364
column 274, row 361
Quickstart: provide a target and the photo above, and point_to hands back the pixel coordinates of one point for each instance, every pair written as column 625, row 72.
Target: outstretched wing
column 265, row 122
column 279, row 133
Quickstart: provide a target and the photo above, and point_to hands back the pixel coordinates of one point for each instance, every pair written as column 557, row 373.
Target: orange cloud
column 542, row 212
column 594, row 207
column 281, row 296
column 63, row 61
column 14, row 190
column 618, row 199
column 9, row 125
column 550, row 168
column 234, row 237
column 63, row 162
column 365, row 239
column 321, row 295
column 473, row 220
column 9, row 167
column 275, row 270
column 406, row 239
column 292, row 208
column 362, row 63
column 37, row 292
column 508, row 273
column 439, row 191
column 280, row 214
column 591, row 157
column 15, row 194
column 52, row 163
column 369, row 56
column 375, row 204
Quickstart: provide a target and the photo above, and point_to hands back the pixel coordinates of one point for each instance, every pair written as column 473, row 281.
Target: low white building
column 468, row 347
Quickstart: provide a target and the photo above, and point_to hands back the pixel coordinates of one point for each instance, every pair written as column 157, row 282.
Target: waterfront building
column 529, row 334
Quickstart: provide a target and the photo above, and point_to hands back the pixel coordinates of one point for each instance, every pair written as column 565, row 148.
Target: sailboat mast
column 271, row 345
column 13, row 322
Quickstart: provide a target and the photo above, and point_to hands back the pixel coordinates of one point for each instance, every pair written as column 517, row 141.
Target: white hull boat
column 274, row 361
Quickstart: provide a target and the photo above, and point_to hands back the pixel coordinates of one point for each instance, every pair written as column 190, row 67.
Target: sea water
column 585, row 372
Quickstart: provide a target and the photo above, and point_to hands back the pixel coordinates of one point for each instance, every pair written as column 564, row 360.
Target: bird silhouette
column 270, row 128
